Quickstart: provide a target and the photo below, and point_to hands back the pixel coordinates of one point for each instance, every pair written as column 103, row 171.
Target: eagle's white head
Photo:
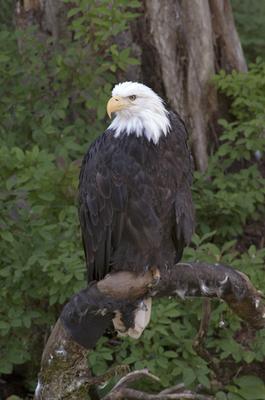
column 139, row 111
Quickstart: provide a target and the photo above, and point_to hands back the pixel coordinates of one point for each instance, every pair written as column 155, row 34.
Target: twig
column 122, row 391
column 173, row 389
column 198, row 343
column 135, row 376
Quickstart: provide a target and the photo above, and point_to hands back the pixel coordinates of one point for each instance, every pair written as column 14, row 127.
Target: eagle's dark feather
column 135, row 204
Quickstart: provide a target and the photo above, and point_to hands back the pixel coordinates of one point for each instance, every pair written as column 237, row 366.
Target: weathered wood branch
column 194, row 280
column 122, row 390
column 64, row 371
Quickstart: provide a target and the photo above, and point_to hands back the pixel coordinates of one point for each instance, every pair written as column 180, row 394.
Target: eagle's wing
column 184, row 211
column 102, row 200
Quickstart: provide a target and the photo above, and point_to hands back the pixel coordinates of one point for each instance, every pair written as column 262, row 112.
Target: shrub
column 249, row 18
column 42, row 260
column 232, row 191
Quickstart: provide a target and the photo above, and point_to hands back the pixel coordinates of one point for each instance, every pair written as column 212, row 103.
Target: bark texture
column 49, row 16
column 63, row 367
column 183, row 44
column 64, row 372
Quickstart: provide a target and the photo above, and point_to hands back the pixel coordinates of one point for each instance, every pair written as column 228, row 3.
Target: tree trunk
column 184, row 43
column 48, row 15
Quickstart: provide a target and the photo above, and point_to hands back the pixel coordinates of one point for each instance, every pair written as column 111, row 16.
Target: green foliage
column 232, row 191
column 244, row 388
column 250, row 22
column 6, row 12
column 52, row 104
column 42, row 262
column 56, row 98
column 248, row 388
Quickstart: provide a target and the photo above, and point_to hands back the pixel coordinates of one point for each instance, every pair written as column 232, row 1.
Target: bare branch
column 194, row 280
column 199, row 340
column 135, row 376
column 122, row 391
column 173, row 389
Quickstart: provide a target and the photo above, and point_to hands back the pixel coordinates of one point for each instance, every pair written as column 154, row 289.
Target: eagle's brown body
column 135, row 203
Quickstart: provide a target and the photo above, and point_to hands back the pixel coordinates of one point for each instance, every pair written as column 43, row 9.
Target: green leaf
column 4, row 58
column 251, row 387
column 7, row 236
column 73, row 12
column 204, row 380
column 248, row 380
column 220, row 396
column 5, row 367
column 189, row 376
column 4, row 325
column 248, row 356
column 232, row 396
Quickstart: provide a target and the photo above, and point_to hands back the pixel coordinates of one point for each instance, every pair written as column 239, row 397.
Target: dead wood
column 64, row 373
column 194, row 280
column 198, row 343
column 122, row 390
column 64, row 370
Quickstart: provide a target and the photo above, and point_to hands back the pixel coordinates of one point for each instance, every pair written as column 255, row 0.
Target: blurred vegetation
column 52, row 105
column 250, row 21
column 6, row 13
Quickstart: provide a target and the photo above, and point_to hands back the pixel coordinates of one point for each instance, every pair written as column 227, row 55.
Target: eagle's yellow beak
column 116, row 103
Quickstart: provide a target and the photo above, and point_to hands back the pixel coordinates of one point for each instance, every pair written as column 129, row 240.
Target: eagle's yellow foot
column 156, row 277
column 118, row 323
column 141, row 319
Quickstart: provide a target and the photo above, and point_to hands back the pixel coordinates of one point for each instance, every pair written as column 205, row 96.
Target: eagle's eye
column 133, row 97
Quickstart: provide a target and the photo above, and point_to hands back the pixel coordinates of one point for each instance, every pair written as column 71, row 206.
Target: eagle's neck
column 151, row 124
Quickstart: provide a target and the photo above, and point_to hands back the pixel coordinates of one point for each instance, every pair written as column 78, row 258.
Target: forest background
column 52, row 105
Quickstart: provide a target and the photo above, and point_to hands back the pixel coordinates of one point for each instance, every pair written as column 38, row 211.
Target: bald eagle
column 135, row 204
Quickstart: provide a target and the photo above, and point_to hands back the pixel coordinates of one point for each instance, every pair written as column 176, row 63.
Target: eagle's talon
column 156, row 277
column 145, row 269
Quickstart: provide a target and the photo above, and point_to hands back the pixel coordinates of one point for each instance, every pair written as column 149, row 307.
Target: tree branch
column 198, row 343
column 122, row 390
column 194, row 280
column 64, row 371
column 132, row 394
